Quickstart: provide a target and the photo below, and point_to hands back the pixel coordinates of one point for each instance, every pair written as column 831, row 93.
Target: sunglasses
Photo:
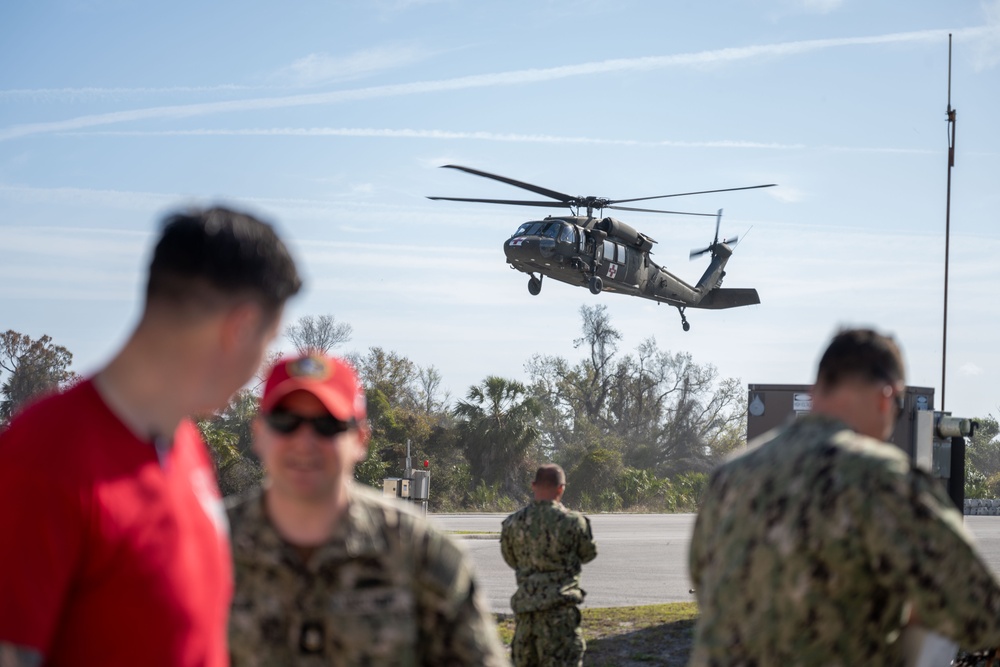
column 325, row 426
column 899, row 399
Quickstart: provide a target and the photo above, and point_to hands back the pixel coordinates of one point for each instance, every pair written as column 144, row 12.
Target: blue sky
column 331, row 118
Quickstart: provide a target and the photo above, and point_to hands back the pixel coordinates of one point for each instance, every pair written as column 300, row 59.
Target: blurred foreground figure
column 820, row 543
column 327, row 571
column 114, row 548
column 547, row 544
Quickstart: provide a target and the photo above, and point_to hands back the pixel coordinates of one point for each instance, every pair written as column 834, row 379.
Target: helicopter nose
column 519, row 248
column 547, row 247
column 517, row 243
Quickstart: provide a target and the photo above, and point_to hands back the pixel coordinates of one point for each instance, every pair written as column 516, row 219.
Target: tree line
column 635, row 430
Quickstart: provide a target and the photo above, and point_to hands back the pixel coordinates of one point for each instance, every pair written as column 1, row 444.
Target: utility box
column 770, row 405
column 396, row 487
column 934, row 441
column 415, row 488
column 939, row 446
column 420, row 485
column 391, row 487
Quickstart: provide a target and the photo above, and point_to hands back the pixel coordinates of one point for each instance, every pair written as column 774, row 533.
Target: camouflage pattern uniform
column 808, row 548
column 547, row 544
column 984, row 658
column 387, row 589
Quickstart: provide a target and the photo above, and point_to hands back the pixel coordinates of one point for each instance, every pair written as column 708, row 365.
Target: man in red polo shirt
column 114, row 546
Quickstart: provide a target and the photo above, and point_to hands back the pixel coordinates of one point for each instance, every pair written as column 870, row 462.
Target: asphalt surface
column 641, row 558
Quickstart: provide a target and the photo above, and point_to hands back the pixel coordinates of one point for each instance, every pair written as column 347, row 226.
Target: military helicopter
column 605, row 254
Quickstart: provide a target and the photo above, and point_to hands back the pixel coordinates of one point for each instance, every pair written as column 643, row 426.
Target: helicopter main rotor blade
column 699, row 192
column 538, row 190
column 514, row 202
column 656, row 210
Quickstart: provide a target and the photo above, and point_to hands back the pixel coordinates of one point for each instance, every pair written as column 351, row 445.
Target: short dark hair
column 860, row 354
column 209, row 257
column 550, row 474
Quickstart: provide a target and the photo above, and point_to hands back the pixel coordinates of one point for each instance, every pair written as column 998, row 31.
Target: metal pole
column 956, row 481
column 947, row 229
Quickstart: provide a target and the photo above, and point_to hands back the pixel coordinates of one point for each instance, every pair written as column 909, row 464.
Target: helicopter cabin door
column 632, row 261
column 616, row 262
column 621, row 263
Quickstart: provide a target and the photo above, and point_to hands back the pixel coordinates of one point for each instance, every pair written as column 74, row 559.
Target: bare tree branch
column 318, row 334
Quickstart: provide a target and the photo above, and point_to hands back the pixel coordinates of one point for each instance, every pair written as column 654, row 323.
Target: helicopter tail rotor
column 698, row 252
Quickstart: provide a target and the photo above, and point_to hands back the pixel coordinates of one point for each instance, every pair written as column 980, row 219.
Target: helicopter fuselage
column 606, row 254
column 578, row 249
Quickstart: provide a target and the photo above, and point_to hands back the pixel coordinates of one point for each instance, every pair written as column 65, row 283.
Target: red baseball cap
column 330, row 379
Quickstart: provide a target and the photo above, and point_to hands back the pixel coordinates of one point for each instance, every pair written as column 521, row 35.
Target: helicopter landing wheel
column 596, row 285
column 534, row 286
column 684, row 320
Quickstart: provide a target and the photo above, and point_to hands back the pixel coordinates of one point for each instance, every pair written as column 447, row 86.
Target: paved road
column 642, row 558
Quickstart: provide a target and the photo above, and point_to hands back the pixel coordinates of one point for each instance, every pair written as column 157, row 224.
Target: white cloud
column 787, row 194
column 986, row 45
column 516, row 77
column 446, row 135
column 363, row 189
column 120, row 199
column 95, row 92
column 970, row 369
column 393, row 6
column 819, row 6
column 320, row 68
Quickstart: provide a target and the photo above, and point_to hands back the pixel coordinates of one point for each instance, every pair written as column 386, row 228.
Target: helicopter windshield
column 529, row 229
column 553, row 230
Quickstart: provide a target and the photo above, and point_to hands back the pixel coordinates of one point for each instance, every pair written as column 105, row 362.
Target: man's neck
column 304, row 523
column 148, row 386
column 854, row 404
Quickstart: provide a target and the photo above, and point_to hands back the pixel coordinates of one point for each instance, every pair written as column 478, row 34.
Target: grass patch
column 659, row 634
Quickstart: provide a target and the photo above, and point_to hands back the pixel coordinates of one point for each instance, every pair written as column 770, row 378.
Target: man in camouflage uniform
column 547, row 544
column 820, row 543
column 328, row 572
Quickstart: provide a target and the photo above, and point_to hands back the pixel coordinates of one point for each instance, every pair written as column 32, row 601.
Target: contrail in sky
column 517, row 77
column 480, row 136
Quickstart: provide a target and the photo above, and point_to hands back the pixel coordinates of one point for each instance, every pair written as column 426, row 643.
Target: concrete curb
column 982, row 506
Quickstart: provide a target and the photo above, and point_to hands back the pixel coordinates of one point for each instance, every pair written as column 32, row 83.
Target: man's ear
column 887, row 400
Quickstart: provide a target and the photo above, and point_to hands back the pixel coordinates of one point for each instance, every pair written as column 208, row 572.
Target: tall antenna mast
column 947, row 225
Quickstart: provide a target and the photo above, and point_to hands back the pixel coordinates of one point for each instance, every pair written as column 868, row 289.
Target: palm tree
column 498, row 434
column 229, row 436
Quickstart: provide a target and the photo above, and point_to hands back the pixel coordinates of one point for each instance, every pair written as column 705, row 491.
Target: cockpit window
column 568, row 234
column 552, row 230
column 533, row 228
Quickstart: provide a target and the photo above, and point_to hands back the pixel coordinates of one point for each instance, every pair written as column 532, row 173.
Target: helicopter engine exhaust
column 617, row 229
